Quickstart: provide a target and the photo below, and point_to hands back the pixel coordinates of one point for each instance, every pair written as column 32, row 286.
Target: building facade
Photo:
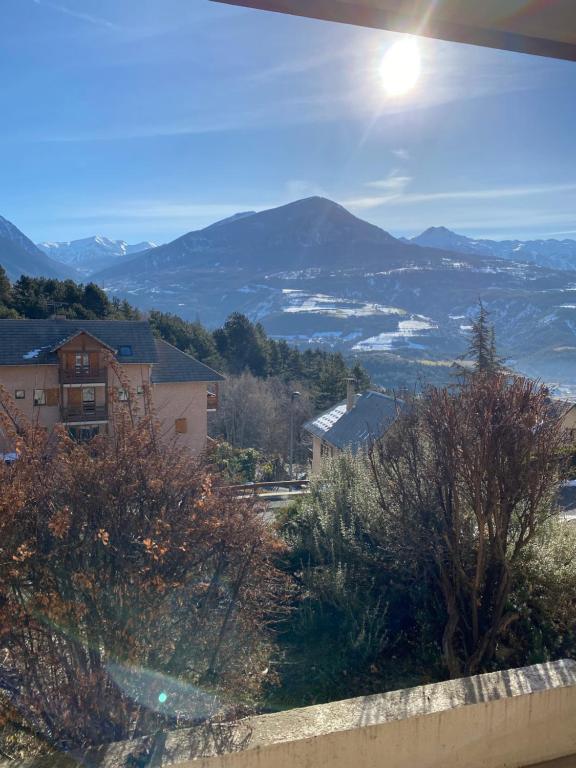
column 70, row 371
column 351, row 425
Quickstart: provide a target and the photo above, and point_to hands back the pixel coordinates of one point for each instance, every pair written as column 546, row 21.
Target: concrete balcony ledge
column 510, row 719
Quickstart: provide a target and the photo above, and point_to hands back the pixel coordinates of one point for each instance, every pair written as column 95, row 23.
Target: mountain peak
column 438, row 231
column 92, row 253
column 441, row 237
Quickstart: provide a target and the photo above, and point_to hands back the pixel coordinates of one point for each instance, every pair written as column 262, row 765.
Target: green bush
column 360, row 615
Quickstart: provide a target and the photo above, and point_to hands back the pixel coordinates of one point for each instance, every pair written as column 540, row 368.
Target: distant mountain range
column 92, row 254
column 314, row 274
column 556, row 254
column 19, row 255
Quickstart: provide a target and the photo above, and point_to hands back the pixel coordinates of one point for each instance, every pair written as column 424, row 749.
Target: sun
column 401, row 66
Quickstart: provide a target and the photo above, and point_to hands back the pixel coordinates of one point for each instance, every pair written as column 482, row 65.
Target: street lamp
column 294, row 396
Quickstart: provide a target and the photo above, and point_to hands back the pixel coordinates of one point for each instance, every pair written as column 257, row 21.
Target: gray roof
column 174, row 365
column 557, row 408
column 370, row 417
column 33, row 342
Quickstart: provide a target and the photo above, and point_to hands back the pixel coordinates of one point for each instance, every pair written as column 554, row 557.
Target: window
column 125, row 350
column 39, row 397
column 140, row 389
column 123, row 395
column 181, row 426
column 82, row 362
column 88, row 399
column 83, row 434
column 20, row 394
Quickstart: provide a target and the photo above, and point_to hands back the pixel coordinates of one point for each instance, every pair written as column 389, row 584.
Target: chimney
column 350, row 394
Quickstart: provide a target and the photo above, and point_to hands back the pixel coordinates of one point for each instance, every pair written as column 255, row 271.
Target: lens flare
column 401, row 67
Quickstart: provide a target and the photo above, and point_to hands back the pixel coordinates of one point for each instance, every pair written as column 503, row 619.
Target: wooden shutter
column 181, row 426
column 52, row 396
column 74, row 396
column 93, row 358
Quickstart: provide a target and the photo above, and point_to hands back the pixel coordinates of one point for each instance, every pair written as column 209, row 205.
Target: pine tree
column 479, row 349
column 5, row 287
column 482, row 348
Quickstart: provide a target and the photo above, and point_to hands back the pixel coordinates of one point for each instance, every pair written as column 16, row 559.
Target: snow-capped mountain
column 555, row 254
column 92, row 253
column 19, row 256
column 314, row 274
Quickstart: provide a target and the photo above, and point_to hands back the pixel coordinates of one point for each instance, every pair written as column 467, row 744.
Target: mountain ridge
column 20, row 256
column 89, row 254
column 550, row 252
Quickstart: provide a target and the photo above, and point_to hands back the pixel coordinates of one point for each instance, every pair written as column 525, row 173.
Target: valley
column 316, row 276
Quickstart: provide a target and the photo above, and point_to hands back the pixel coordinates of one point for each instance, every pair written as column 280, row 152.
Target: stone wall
column 500, row 720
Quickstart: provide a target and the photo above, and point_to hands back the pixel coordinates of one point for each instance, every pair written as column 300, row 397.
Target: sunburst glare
column 401, row 67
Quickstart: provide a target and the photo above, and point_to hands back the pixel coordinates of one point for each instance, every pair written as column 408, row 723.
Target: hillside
column 314, row 274
column 19, row 255
column 237, row 347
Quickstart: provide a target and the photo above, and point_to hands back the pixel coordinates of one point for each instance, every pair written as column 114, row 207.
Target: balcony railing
column 85, row 413
column 83, row 375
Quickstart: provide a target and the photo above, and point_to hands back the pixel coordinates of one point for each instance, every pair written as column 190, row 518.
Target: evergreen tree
column 242, row 345
column 5, row 287
column 482, row 348
column 96, row 300
column 237, row 347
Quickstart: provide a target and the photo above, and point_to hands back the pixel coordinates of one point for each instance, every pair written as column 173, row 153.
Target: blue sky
column 145, row 119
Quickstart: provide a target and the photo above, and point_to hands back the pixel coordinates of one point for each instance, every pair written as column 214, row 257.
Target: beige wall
column 186, row 400
column 569, row 421
column 499, row 720
column 29, row 378
column 508, row 719
column 172, row 401
column 317, row 457
column 135, row 375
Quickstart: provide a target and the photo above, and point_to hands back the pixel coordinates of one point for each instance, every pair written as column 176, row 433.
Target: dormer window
column 125, row 350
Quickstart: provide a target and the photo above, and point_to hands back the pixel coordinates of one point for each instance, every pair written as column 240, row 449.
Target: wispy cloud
column 498, row 193
column 86, row 17
column 401, row 154
column 298, row 65
column 394, row 183
column 165, row 210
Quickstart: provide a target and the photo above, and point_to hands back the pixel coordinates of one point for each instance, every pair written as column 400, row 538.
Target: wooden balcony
column 85, row 413
column 83, row 375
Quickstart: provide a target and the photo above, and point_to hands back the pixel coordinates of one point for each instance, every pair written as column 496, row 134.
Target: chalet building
column 352, row 424
column 564, row 411
column 65, row 371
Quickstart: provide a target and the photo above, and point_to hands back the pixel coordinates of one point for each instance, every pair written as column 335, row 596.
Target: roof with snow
column 35, row 342
column 370, row 417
